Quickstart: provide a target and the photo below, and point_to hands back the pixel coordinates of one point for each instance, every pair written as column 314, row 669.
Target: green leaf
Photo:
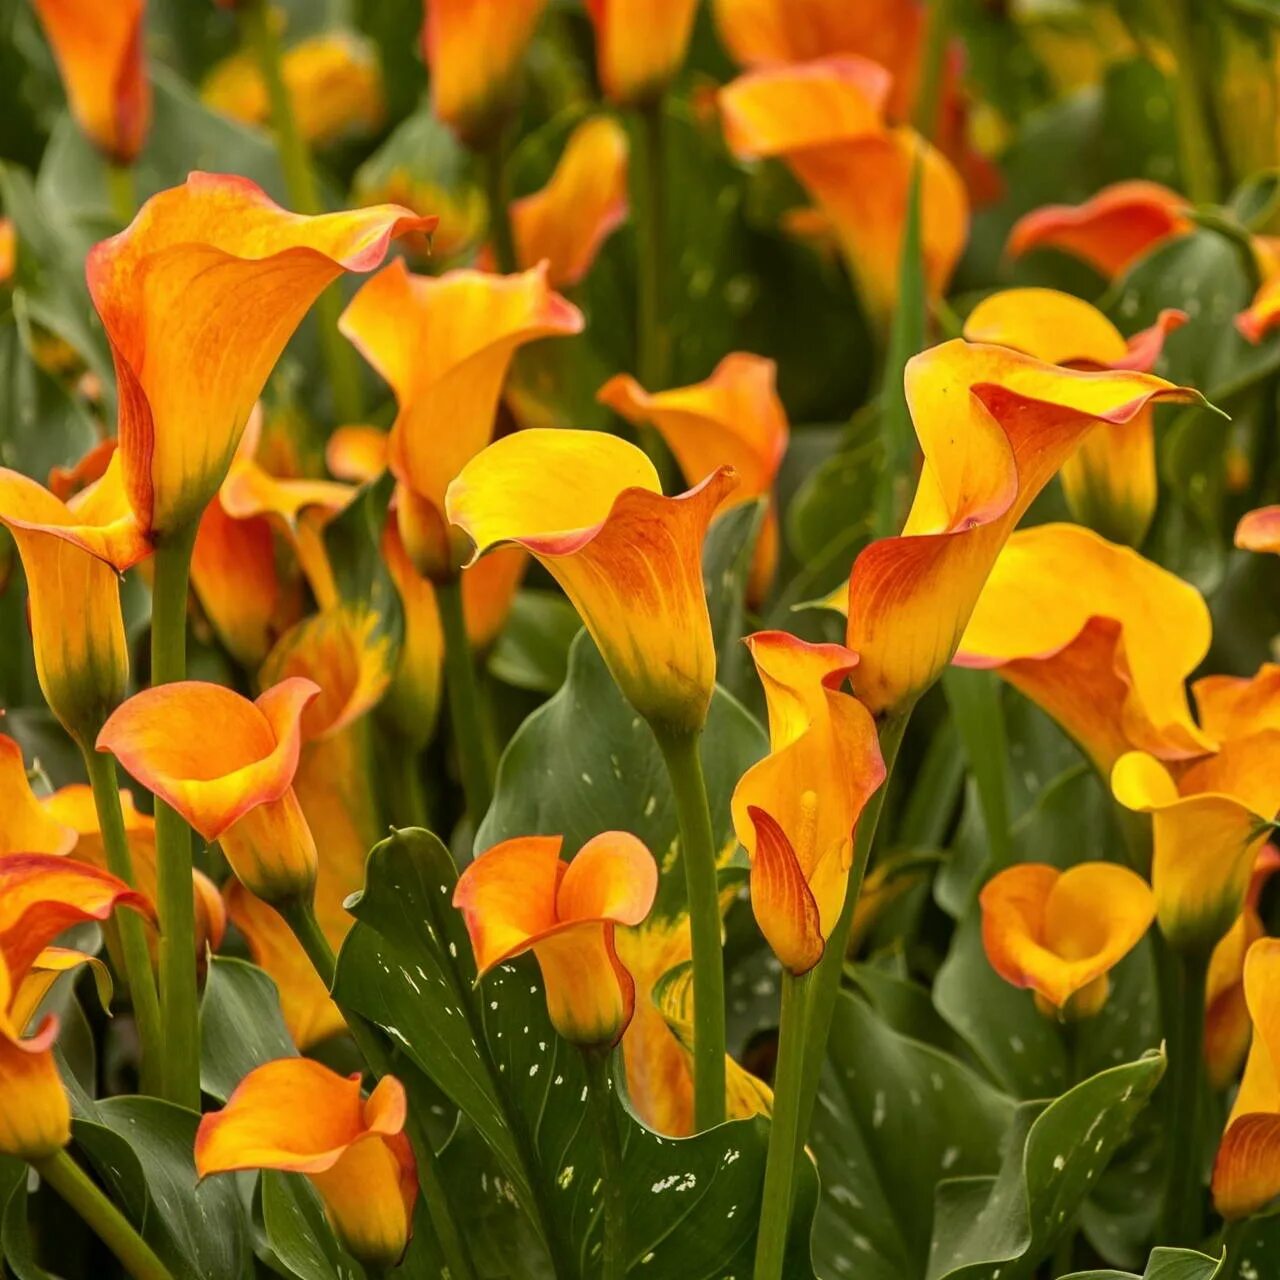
column 298, row 1231
column 533, row 650
column 16, row 1247
column 1054, row 1156
column 726, row 565
column 241, row 1025
column 976, row 702
column 1164, row 1264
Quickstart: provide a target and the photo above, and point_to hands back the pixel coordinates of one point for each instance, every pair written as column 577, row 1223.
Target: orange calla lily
column 640, row 46
column 581, row 206
column 1263, row 313
column 735, row 417
column 1260, row 530
column 28, row 827
column 1227, row 1027
column 1111, row 230
column 1246, row 1174
column 1237, row 706
column 298, row 1116
column 826, row 120
column 590, row 508
column 99, row 51
column 473, row 50
column 416, row 687
column 1209, row 820
column 1110, row 481
column 226, row 765
column 1100, row 638
column 519, row 896
column 994, row 426
column 1062, row 932
column 445, row 344
column 8, row 250
column 66, row 482
column 796, row 809
column 40, row 896
column 198, row 297
column 357, row 453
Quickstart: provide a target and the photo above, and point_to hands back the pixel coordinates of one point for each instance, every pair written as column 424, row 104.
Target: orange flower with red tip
column 198, row 297
column 590, row 508
column 1259, row 530
column 226, row 765
column 1263, row 313
column 1111, row 230
column 99, row 51
column 519, row 896
column 796, row 809
column 297, row 1116
column 40, row 897
column 28, row 827
column 1062, row 932
column 640, row 46
column 735, row 417
column 445, row 345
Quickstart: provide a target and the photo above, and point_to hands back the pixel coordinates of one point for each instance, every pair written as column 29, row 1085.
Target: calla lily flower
column 226, row 765
column 473, row 50
column 1227, row 1027
column 1238, row 706
column 1209, row 820
column 640, row 46
column 519, row 896
column 590, row 508
column 1110, row 481
column 1246, row 1174
column 826, row 120
column 357, row 453
column 1260, row 530
column 1096, row 636
column 41, row 896
column 1062, row 932
column 297, row 1116
column 734, row 417
column 582, row 205
column 994, row 426
column 100, row 54
column 796, row 809
column 198, row 297
column 1263, row 313
column 28, row 827
column 1111, row 230
column 8, row 250
column 445, row 344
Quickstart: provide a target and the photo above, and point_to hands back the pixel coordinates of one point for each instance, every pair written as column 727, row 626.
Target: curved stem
column 464, row 701
column 600, row 1103
column 785, row 1138
column 122, row 190
column 698, row 853
column 1183, row 1210
column 101, row 1216
column 174, row 903
column 133, row 937
column 499, row 198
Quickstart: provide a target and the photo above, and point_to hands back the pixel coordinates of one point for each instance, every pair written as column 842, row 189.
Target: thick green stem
column 133, row 937
column 698, row 853
column 1183, row 1207
column 301, row 918
column 409, row 799
column 1197, row 153
column 122, row 190
column 785, row 1139
column 174, row 903
column 304, row 195
column 651, row 336
column 101, row 1216
column 933, row 67
column 613, row 1265
column 499, row 199
column 825, row 982
column 465, row 710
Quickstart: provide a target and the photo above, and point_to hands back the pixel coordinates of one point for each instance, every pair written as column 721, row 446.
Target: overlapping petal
column 640, row 45
column 27, row 827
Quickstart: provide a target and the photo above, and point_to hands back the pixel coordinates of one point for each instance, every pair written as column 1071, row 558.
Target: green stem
column 933, row 67
column 1183, row 1209
column 133, row 937
column 600, row 1103
column 122, row 191
column 304, row 195
column 174, row 903
column 785, row 1138
column 826, row 977
column 1197, row 156
column 410, row 800
column 465, row 713
column 301, row 918
column 101, row 1216
column 1232, row 1241
column 499, row 198
column 651, row 336
column 698, row 853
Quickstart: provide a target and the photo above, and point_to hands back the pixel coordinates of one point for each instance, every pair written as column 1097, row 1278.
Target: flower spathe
column 444, row 344
column 590, row 508
column 1099, row 637
column 520, row 896
column 297, row 1116
column 226, row 765
column 795, row 810
column 1062, row 932
column 198, row 297
column 40, row 897
column 27, row 827
column 733, row 417
column 994, row 426
column 1259, row 530
column 99, row 51
column 640, row 45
